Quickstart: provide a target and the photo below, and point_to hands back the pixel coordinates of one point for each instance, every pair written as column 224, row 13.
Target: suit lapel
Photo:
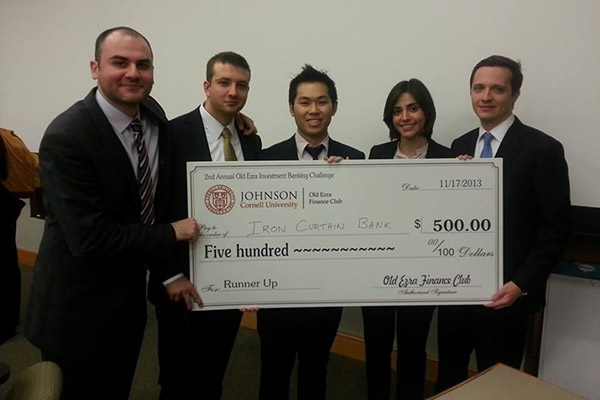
column 334, row 148
column 512, row 143
column 248, row 147
column 112, row 145
column 389, row 151
column 198, row 145
column 470, row 143
column 290, row 148
column 165, row 151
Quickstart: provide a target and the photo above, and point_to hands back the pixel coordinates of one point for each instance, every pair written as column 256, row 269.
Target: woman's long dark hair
column 421, row 95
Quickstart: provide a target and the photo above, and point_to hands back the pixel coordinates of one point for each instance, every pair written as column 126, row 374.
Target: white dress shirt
column 213, row 130
column 301, row 145
column 120, row 123
column 498, row 134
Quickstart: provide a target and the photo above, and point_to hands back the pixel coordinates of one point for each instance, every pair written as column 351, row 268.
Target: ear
column 292, row 109
column 207, row 88
column 94, row 69
column 515, row 97
column 334, row 109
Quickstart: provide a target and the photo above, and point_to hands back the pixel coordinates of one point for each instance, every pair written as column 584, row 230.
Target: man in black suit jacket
column 536, row 224
column 194, row 347
column 305, row 332
column 87, row 306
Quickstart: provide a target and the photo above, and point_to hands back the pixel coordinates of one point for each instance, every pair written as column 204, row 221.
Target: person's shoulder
column 71, row 119
column 68, row 129
column 185, row 118
column 465, row 143
column 155, row 108
column 278, row 150
column 384, row 150
column 180, row 126
column 466, row 136
column 343, row 150
column 253, row 140
column 437, row 150
column 536, row 134
column 535, row 142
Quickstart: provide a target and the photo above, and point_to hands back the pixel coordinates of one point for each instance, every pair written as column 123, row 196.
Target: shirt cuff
column 165, row 283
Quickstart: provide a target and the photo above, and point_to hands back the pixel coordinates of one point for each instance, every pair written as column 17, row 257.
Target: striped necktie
column 228, row 150
column 144, row 174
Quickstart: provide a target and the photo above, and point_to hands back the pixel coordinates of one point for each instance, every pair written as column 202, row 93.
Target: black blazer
column 90, row 275
column 388, row 150
column 286, row 150
column 536, row 206
column 190, row 144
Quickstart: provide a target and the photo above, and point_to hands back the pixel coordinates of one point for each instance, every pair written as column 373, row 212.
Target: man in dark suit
column 303, row 332
column 105, row 169
column 536, row 224
column 194, row 347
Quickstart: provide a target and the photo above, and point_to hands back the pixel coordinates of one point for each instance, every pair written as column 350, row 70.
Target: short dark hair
column 226, row 57
column 126, row 30
column 310, row 75
column 419, row 92
column 516, row 79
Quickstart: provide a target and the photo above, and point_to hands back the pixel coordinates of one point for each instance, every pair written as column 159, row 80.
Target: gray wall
column 366, row 46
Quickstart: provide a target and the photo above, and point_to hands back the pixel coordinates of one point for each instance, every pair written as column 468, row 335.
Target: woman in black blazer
column 409, row 113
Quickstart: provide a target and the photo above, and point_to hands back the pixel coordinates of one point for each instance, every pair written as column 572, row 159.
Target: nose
column 314, row 108
column 233, row 90
column 132, row 71
column 405, row 116
column 486, row 95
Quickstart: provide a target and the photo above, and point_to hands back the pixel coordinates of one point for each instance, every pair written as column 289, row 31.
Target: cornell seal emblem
column 219, row 199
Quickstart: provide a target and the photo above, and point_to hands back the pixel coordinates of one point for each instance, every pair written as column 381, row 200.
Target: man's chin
column 232, row 110
column 134, row 99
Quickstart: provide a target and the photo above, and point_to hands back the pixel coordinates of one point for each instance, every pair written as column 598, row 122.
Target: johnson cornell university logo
column 219, row 199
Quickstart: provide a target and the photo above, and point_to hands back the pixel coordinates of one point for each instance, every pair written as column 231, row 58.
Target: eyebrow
column 408, row 105
column 121, row 58
column 311, row 98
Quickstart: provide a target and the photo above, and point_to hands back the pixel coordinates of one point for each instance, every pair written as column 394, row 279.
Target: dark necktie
column 228, row 150
column 144, row 174
column 315, row 151
column 487, row 146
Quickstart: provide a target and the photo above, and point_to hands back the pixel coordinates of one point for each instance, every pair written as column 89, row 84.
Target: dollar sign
column 417, row 223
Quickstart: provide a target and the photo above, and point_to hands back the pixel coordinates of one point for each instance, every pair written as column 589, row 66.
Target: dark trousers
column 307, row 333
column 496, row 336
column 10, row 274
column 193, row 350
column 411, row 326
column 107, row 378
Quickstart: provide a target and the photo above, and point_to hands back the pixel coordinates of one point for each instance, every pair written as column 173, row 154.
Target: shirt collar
column 117, row 118
column 499, row 130
column 214, row 127
column 301, row 143
column 421, row 153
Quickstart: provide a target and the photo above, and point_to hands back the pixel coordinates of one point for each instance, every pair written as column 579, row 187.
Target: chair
column 41, row 381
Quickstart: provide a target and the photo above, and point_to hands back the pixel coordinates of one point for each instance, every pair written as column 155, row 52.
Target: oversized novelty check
column 375, row 232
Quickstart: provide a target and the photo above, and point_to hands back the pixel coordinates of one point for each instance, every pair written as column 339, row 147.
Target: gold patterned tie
column 227, row 147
